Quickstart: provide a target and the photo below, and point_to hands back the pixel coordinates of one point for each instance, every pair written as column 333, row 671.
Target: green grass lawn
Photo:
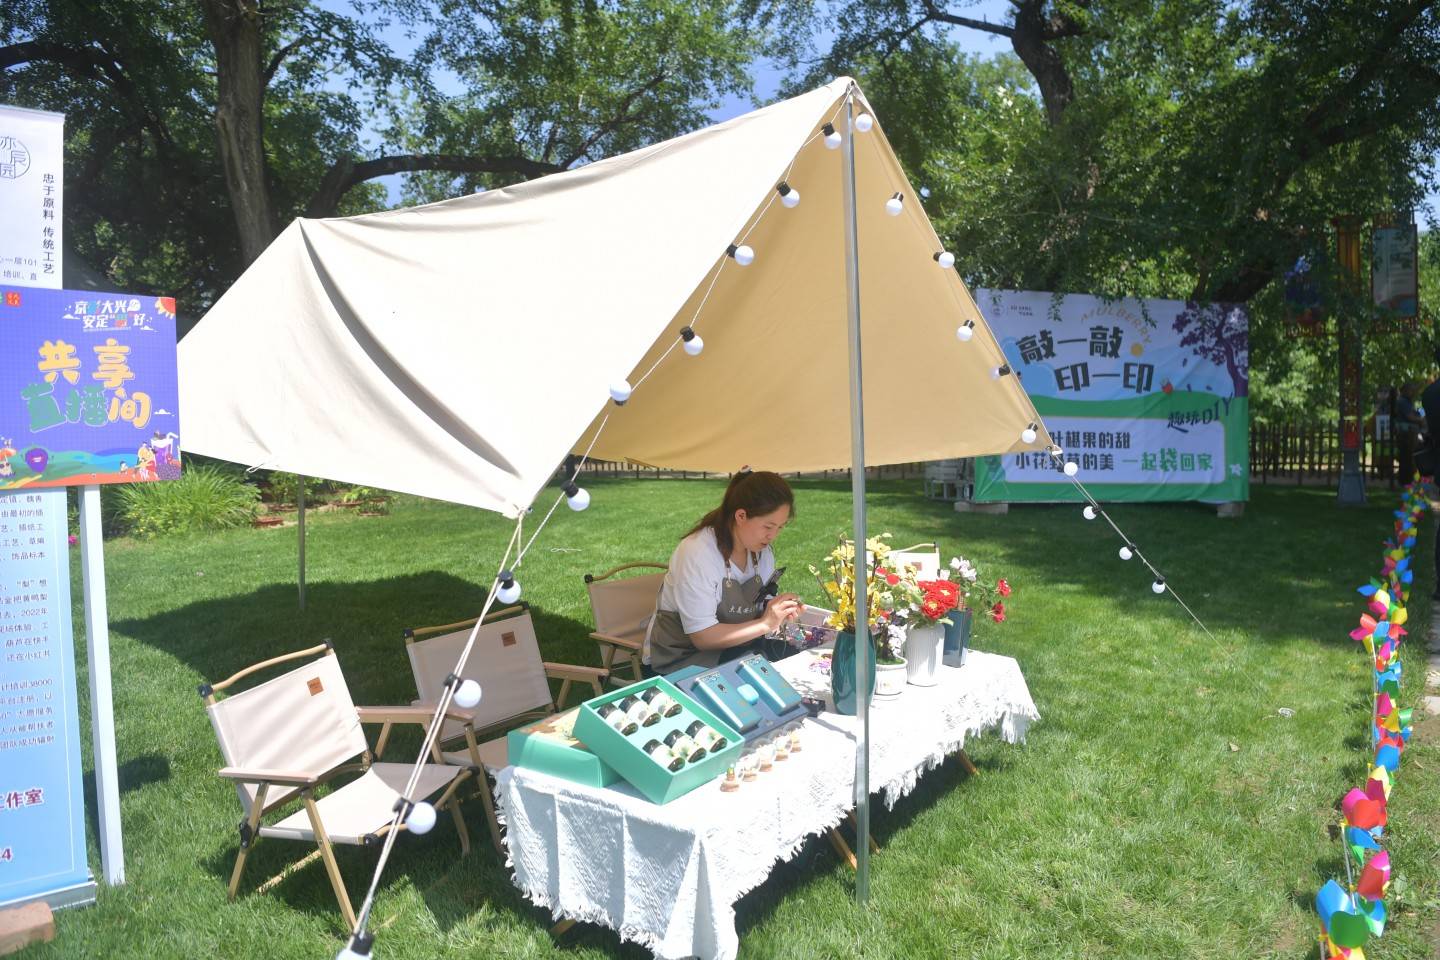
column 1161, row 808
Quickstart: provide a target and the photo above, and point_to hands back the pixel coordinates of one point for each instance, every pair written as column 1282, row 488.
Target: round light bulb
column 694, row 345
column 744, row 254
column 924, row 193
column 508, row 593
column 1126, row 553
column 1158, row 586
column 894, row 205
column 994, row 373
column 421, row 819
column 1071, row 468
column 964, row 332
column 620, row 391
column 791, row 199
column 578, row 500
column 1028, row 435
column 864, row 122
column 1089, row 512
column 467, row 695
column 349, row 952
column 832, row 140
column 946, row 259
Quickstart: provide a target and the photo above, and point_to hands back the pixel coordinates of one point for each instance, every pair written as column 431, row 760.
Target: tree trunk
column 1032, row 42
column 234, row 27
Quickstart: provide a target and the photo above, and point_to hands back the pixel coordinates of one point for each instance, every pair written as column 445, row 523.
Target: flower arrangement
column 939, row 597
column 977, row 594
column 893, row 595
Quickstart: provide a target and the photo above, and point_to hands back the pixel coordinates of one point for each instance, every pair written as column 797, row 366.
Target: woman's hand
column 785, row 607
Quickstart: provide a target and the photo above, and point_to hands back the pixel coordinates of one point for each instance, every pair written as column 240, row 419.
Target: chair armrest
column 618, row 641
column 420, row 714
column 567, row 671
column 289, row 778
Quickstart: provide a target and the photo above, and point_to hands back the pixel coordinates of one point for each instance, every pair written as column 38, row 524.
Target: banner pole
column 102, row 708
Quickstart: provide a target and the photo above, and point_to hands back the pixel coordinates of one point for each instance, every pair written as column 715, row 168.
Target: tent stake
column 857, row 495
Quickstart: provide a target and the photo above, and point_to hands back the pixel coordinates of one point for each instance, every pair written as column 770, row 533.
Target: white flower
column 955, row 563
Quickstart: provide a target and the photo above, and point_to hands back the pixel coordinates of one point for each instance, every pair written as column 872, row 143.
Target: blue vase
column 957, row 638
column 842, row 672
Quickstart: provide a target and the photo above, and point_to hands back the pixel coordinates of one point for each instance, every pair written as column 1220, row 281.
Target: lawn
column 1163, row 807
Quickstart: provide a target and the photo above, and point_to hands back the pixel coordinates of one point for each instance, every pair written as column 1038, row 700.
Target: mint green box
column 627, row 754
column 549, row 746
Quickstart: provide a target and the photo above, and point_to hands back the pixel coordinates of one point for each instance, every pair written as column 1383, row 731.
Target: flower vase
column 957, row 638
column 922, row 654
column 842, row 672
column 890, row 678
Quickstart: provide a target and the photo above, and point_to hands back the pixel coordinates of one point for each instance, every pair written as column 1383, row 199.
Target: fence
column 1300, row 452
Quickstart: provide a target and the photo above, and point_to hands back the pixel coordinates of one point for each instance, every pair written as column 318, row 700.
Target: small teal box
column 627, row 754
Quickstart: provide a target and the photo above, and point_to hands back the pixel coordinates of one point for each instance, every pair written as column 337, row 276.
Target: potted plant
column 977, row 595
column 890, row 594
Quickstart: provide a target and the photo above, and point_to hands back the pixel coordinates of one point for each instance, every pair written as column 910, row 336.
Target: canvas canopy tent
column 459, row 350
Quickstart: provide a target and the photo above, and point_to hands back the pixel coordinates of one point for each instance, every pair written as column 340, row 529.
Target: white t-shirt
column 697, row 571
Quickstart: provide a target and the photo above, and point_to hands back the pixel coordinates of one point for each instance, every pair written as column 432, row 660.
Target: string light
column 358, row 948
column 421, row 818
column 576, row 497
column 1126, row 552
column 1071, row 468
column 945, row 258
column 832, row 136
column 620, row 391
column 997, row 372
column 742, row 254
column 864, row 122
column 693, row 343
column 1029, row 434
column 789, row 196
column 1159, row 585
column 965, row 331
column 924, row 193
column 509, row 590
column 1089, row 512
column 467, row 695
column 895, row 204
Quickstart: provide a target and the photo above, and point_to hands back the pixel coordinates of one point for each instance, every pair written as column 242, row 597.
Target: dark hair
column 757, row 493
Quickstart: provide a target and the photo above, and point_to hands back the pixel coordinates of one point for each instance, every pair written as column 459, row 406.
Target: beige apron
column 671, row 647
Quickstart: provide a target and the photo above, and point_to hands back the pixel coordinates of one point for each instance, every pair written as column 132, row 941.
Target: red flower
column 1003, row 588
column 932, row 608
column 891, row 579
column 997, row 612
column 943, row 588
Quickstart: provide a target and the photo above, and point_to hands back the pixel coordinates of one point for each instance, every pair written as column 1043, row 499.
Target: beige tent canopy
column 459, row 350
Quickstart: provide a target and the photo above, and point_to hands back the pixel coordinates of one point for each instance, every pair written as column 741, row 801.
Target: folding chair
column 924, row 557
column 286, row 737
column 623, row 608
column 514, row 684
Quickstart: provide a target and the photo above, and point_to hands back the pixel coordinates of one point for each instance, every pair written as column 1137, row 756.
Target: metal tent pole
column 857, row 493
column 300, row 524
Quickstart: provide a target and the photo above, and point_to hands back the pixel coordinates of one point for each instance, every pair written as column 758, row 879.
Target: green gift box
column 549, row 745
column 627, row 754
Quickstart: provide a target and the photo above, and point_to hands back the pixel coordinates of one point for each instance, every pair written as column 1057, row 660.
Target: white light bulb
column 1028, row 435
column 894, row 205
column 1071, row 468
column 1126, row 553
column 946, row 259
column 579, row 500
column 791, row 199
column 864, row 122
column 1089, row 512
column 832, row 140
column 964, row 332
column 508, row 594
column 694, row 345
column 467, row 694
column 620, row 391
column 744, row 254
column 1158, row 586
column 421, row 819
column 346, row 953
column 924, row 193
column 994, row 373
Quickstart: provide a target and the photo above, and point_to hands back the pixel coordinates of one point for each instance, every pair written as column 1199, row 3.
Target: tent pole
column 857, row 495
column 300, row 530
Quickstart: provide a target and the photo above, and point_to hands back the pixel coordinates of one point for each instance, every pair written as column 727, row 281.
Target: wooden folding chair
column 285, row 738
column 514, row 684
column 924, row 557
column 623, row 608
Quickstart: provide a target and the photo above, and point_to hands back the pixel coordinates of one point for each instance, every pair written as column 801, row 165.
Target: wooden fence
column 1301, row 453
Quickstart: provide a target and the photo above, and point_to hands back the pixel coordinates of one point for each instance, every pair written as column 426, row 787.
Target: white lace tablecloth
column 668, row 876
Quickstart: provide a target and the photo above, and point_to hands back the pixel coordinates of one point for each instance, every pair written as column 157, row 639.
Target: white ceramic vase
column 890, row 678
column 923, row 649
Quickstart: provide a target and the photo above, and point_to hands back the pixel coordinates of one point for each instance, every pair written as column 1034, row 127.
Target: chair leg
column 969, row 767
column 450, row 799
column 842, row 848
column 560, row 929
column 327, row 853
column 595, row 685
column 874, row 847
column 637, row 671
column 564, row 692
column 490, row 818
column 257, row 807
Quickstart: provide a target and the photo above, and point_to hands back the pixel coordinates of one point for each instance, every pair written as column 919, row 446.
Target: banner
column 88, row 388
column 31, row 192
column 1394, row 271
column 42, row 812
column 1148, row 397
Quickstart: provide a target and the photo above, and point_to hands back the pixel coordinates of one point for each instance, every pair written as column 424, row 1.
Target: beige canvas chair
column 514, row 684
column 623, row 607
column 924, row 557
column 285, row 738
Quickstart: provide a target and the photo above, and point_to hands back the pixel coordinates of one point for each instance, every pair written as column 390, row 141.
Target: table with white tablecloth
column 668, row 876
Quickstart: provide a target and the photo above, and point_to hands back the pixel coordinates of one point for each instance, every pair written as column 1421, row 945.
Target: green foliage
column 204, row 498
